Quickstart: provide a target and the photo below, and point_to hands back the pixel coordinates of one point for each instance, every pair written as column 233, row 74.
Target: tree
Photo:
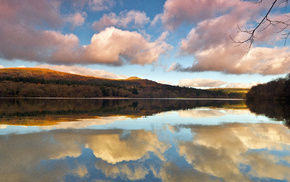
column 282, row 25
column 273, row 90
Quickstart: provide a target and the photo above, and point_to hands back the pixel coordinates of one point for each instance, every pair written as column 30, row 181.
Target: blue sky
column 179, row 42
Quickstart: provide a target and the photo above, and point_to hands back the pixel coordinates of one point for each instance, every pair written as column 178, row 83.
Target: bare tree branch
column 282, row 25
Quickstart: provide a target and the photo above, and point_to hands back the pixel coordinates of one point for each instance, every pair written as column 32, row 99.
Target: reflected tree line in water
column 107, row 106
column 271, row 99
column 272, row 109
column 45, row 111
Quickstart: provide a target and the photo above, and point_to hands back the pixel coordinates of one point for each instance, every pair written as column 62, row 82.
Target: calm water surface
column 143, row 140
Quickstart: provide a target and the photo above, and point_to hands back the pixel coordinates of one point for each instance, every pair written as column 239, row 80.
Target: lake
column 143, row 140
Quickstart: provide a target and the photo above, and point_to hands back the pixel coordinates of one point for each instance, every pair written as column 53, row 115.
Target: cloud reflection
column 113, row 149
column 86, row 122
column 110, row 147
column 228, row 152
column 220, row 150
column 210, row 113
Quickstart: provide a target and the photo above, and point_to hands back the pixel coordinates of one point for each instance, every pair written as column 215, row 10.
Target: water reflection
column 40, row 112
column 210, row 112
column 147, row 140
column 229, row 152
column 273, row 109
column 236, row 152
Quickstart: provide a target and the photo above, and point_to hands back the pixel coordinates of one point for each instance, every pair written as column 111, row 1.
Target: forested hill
column 274, row 90
column 47, row 76
column 36, row 82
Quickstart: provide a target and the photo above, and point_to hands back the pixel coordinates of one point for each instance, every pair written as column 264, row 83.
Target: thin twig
column 283, row 25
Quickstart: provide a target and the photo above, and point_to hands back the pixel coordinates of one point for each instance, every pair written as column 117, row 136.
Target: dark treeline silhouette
column 274, row 90
column 271, row 99
column 49, row 83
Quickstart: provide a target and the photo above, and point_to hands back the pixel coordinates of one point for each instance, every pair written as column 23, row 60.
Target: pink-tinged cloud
column 157, row 18
column 198, row 82
column 211, row 83
column 110, row 46
column 125, row 19
column 77, row 19
column 165, row 82
column 115, row 46
column 83, row 71
column 101, row 5
column 213, row 50
column 106, row 21
column 177, row 12
column 20, row 39
column 275, row 31
column 25, row 43
column 264, row 61
column 30, row 12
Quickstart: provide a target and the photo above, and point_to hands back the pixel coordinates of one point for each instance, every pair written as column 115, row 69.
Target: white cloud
column 115, row 46
column 125, row 19
column 100, row 5
column 84, row 71
column 207, row 83
column 177, row 12
column 209, row 41
column 77, row 19
column 36, row 38
column 229, row 59
column 198, row 82
column 110, row 46
column 165, row 82
column 156, row 19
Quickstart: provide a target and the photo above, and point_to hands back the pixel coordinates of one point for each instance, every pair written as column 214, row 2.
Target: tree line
column 29, row 84
column 60, row 89
column 21, row 89
column 278, row 89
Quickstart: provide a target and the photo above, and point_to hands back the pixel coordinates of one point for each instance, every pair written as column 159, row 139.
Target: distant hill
column 43, row 75
column 229, row 91
column 36, row 82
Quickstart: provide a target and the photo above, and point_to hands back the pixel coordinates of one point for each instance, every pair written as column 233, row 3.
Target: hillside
column 50, row 76
column 232, row 91
column 278, row 89
column 35, row 82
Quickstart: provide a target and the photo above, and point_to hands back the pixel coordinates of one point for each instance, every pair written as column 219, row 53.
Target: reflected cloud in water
column 211, row 113
column 237, row 152
column 230, row 152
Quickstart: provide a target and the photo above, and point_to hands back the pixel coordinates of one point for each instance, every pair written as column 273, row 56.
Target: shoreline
column 115, row 98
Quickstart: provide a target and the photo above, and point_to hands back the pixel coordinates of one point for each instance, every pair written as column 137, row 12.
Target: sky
column 190, row 43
